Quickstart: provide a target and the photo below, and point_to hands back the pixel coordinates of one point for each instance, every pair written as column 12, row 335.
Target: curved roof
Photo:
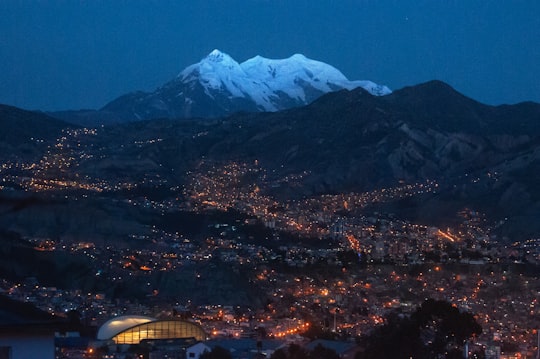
column 119, row 324
column 160, row 329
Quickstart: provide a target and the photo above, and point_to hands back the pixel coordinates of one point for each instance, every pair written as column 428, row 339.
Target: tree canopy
column 436, row 329
column 216, row 353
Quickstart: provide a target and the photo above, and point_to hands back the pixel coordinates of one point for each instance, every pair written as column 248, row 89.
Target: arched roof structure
column 118, row 324
column 134, row 329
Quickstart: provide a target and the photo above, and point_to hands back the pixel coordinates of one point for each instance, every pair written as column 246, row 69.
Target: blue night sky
column 58, row 55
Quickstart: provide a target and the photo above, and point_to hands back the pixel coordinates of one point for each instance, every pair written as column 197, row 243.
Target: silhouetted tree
column 435, row 329
column 216, row 353
column 320, row 352
column 293, row 351
column 280, row 354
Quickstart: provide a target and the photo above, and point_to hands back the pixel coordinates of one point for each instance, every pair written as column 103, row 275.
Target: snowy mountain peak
column 211, row 69
column 218, row 56
column 299, row 57
column 218, row 85
column 215, row 54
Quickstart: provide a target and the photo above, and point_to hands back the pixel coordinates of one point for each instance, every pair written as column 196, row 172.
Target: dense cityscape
column 262, row 179
column 348, row 267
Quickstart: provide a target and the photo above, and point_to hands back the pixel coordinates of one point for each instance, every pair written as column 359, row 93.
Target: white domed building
column 132, row 329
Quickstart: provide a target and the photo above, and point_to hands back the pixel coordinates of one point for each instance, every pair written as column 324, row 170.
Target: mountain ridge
column 482, row 157
column 218, row 86
column 24, row 131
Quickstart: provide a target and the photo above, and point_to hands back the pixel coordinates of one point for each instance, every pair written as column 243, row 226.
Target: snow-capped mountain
column 218, row 86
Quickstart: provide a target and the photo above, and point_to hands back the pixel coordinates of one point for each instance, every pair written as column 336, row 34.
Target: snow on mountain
column 215, row 71
column 218, row 86
column 263, row 79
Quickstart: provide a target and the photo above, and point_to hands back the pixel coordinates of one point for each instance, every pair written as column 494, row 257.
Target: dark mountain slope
column 347, row 141
column 20, row 126
column 25, row 135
